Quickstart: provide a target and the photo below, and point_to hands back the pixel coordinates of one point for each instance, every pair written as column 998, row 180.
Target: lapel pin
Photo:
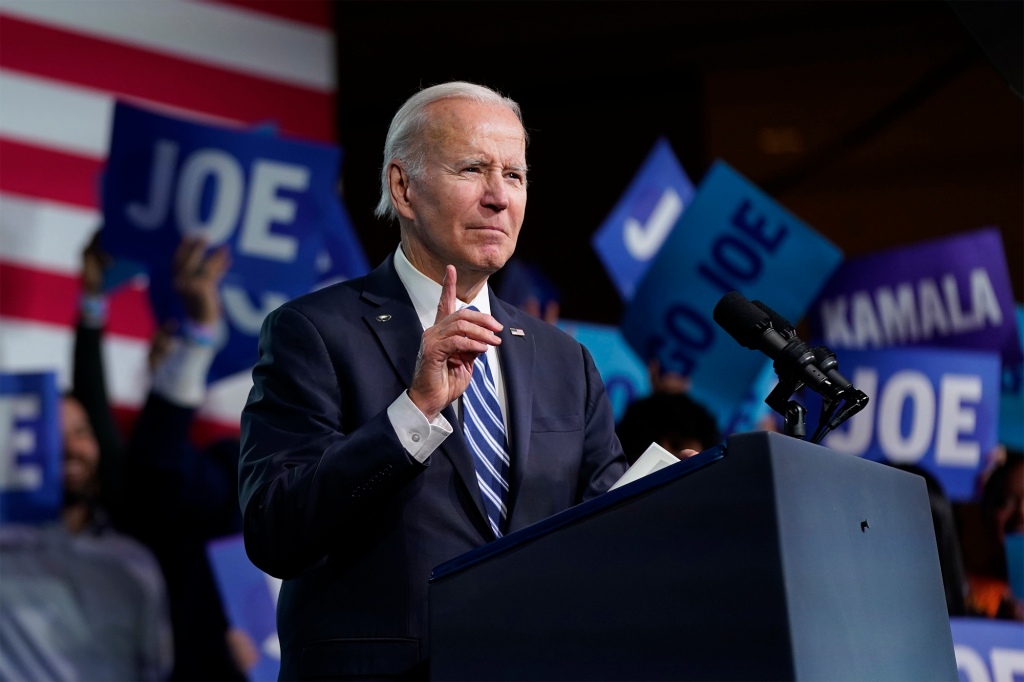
column 516, row 331
column 383, row 318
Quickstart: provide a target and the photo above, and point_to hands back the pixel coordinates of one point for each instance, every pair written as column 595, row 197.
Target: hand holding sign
column 269, row 200
column 197, row 276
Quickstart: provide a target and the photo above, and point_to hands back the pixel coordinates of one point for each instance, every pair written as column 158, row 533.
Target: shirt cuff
column 181, row 377
column 419, row 437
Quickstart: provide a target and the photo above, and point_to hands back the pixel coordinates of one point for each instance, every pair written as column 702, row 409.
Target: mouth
column 489, row 231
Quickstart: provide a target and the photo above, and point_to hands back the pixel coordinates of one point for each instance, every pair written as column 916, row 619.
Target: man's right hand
column 444, row 365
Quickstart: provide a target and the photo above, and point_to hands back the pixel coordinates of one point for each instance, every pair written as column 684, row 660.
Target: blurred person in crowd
column 1002, row 513
column 673, row 420
column 183, row 496
column 78, row 599
column 947, row 541
column 358, row 470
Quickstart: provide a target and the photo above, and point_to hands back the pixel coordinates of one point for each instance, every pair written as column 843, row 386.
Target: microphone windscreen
column 742, row 319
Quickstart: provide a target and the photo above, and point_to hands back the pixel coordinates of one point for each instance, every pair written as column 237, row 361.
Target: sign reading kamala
column 933, row 408
column 951, row 292
column 250, row 599
column 30, row 448
column 625, row 378
column 272, row 200
column 633, row 233
column 733, row 237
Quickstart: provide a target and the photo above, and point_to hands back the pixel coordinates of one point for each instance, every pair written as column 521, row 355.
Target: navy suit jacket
column 335, row 506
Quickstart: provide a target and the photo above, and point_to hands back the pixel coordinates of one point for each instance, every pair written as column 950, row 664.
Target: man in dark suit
column 357, row 474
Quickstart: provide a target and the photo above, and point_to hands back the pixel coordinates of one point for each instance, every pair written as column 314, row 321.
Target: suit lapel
column 393, row 320
column 517, row 360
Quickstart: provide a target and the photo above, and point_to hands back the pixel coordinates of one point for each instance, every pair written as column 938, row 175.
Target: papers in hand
column 654, row 458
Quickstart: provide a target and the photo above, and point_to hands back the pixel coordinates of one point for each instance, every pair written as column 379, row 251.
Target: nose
column 495, row 192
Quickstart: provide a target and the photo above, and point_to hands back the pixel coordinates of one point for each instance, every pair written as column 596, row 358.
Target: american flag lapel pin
column 516, row 331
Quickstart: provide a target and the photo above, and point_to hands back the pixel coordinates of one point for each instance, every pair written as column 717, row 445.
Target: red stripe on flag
column 132, row 72
column 40, row 296
column 47, row 174
column 37, row 295
column 313, row 12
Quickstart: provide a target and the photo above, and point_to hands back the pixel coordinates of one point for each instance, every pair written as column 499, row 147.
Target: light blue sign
column 31, row 452
column 272, row 200
column 733, row 237
column 934, row 408
column 988, row 650
column 634, row 231
column 625, row 377
column 250, row 600
column 1011, row 402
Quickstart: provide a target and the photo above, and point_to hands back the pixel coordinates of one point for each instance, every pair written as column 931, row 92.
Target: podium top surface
column 611, row 498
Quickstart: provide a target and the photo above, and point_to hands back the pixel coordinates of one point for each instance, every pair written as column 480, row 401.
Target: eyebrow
column 477, row 161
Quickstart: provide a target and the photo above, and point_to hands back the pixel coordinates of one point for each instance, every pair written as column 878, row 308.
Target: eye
column 471, row 169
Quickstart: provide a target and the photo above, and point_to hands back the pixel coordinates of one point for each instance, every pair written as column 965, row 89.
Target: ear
column 398, row 184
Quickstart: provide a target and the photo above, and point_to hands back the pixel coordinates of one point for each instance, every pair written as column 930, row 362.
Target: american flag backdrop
column 63, row 64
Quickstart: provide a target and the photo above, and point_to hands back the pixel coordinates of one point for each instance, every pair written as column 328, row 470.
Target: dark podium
column 767, row 559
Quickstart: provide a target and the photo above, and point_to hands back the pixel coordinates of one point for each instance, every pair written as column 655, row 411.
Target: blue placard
column 933, row 408
column 271, row 200
column 953, row 292
column 733, row 237
column 633, row 233
column 249, row 597
column 625, row 378
column 1011, row 401
column 988, row 650
column 31, row 452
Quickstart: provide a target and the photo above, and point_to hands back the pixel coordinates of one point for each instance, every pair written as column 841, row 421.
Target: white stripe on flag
column 229, row 37
column 35, row 347
column 44, row 235
column 56, row 115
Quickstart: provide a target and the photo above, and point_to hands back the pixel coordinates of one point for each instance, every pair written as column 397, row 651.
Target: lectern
column 767, row 558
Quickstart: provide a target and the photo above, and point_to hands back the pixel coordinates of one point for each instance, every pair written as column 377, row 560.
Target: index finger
column 448, row 303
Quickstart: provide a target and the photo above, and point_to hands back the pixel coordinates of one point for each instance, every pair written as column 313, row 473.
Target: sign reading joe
column 271, row 200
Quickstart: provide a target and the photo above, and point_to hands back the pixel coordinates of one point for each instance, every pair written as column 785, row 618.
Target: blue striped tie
column 485, row 431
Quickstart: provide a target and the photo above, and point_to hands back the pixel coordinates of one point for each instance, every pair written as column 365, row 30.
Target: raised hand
column 444, row 365
column 197, row 276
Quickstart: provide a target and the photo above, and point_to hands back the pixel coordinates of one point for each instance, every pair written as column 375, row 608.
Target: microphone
column 754, row 328
column 824, row 358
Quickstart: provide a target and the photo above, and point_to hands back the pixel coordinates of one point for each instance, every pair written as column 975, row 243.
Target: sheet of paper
column 654, row 458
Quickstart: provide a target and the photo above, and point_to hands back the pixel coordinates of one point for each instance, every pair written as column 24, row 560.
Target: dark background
column 877, row 123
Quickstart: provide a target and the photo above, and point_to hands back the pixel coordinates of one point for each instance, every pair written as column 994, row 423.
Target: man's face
column 467, row 206
column 81, row 451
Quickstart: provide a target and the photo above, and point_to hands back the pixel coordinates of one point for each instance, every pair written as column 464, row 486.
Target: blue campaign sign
column 1011, row 402
column 933, row 408
column 271, row 200
column 953, row 292
column 625, row 377
column 31, row 452
column 988, row 650
column 634, row 231
column 733, row 237
column 249, row 597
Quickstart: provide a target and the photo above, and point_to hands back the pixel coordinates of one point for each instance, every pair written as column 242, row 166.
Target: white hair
column 404, row 142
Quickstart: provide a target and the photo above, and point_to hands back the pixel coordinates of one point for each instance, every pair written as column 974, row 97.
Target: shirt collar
column 425, row 292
